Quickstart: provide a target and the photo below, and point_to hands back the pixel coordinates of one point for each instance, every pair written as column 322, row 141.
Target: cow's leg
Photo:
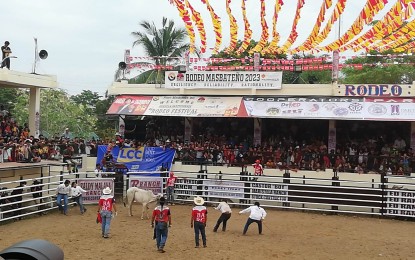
column 130, row 211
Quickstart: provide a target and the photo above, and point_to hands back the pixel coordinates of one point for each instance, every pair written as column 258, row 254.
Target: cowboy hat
column 106, row 191
column 199, row 201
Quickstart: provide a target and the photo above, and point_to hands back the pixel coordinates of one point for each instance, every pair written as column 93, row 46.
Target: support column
column 188, row 128
column 34, row 112
column 121, row 125
column 413, row 136
column 257, row 131
column 331, row 145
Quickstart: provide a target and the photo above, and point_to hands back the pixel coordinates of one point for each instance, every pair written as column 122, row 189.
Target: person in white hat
column 106, row 206
column 199, row 220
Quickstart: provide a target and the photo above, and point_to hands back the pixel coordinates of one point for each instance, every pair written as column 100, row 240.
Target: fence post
column 286, row 179
column 247, row 185
column 383, row 180
column 335, row 183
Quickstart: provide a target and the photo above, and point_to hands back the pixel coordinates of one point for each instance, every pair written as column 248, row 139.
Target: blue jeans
column 106, row 222
column 249, row 222
column 59, row 199
column 170, row 194
column 80, row 201
column 200, row 227
column 162, row 232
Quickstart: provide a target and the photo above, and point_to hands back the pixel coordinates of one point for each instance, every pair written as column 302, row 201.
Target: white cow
column 140, row 196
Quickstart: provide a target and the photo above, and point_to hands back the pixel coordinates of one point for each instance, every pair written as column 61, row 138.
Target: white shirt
column 77, row 191
column 224, row 207
column 62, row 189
column 257, row 213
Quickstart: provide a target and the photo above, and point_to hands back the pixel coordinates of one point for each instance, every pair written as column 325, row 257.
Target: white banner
column 390, row 109
column 194, row 106
column 94, row 187
column 155, row 184
column 223, row 189
column 185, row 187
column 223, row 79
column 266, row 191
column 401, row 203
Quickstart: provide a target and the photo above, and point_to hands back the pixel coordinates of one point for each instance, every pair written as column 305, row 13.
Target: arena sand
column 286, row 235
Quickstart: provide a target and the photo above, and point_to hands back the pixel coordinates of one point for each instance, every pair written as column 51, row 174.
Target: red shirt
column 258, row 170
column 161, row 214
column 106, row 202
column 199, row 214
column 171, row 181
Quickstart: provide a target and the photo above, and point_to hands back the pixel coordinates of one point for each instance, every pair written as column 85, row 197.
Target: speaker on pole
column 122, row 65
column 43, row 54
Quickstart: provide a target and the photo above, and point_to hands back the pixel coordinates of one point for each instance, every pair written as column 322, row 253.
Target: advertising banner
column 139, row 159
column 185, row 187
column 265, row 191
column 390, row 109
column 155, row 184
column 94, row 187
column 401, row 203
column 322, row 108
column 223, row 189
column 194, row 106
column 223, row 79
column 129, row 105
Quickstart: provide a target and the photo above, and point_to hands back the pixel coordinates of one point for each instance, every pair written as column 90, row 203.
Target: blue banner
column 142, row 159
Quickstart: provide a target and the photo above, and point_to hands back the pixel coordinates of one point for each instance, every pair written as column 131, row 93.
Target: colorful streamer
column 265, row 35
column 233, row 28
column 184, row 14
column 217, row 26
column 293, row 35
column 197, row 19
column 248, row 31
column 273, row 45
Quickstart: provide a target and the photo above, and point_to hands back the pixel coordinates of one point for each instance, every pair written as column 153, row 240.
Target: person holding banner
column 106, row 206
column 77, row 195
column 257, row 215
column 161, row 214
column 170, row 188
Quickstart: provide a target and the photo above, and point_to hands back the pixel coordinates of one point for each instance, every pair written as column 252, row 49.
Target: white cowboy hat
column 199, row 201
column 107, row 191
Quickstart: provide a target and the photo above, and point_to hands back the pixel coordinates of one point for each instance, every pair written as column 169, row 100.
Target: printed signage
column 185, row 187
column 94, row 187
column 223, row 189
column 401, row 203
column 139, row 159
column 155, row 184
column 268, row 191
column 373, row 90
column 223, row 79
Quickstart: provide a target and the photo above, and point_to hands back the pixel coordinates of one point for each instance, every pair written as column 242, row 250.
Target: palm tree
column 165, row 45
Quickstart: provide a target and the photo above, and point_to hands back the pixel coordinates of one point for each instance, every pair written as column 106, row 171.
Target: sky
column 86, row 39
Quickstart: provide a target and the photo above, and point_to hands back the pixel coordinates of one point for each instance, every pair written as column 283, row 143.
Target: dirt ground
column 287, row 235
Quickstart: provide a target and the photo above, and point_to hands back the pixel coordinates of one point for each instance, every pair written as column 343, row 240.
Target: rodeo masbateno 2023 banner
column 142, row 159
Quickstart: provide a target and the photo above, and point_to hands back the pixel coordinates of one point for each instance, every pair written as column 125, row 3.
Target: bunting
column 197, row 19
column 233, row 28
column 293, row 35
column 248, row 31
column 273, row 45
column 217, row 26
column 184, row 14
column 265, row 35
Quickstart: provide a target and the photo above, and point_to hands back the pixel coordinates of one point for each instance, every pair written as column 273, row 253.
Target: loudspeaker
column 43, row 54
column 35, row 249
column 122, row 65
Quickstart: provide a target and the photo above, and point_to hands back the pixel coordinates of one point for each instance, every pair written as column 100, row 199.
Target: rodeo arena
column 322, row 171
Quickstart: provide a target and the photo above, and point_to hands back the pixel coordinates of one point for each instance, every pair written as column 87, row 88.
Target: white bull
column 140, row 196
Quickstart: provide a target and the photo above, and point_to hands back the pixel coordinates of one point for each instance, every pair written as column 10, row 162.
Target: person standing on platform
column 162, row 216
column 106, row 206
column 6, row 51
column 198, row 220
column 224, row 217
column 170, row 188
column 258, row 169
column 62, row 193
column 257, row 215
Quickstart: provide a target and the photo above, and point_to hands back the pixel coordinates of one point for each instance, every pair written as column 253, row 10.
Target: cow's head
column 159, row 195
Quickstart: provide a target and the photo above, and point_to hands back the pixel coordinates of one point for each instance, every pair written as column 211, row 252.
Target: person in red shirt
column 161, row 214
column 258, row 169
column 199, row 219
column 170, row 188
column 106, row 205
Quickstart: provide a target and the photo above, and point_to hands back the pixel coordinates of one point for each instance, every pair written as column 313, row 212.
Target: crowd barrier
column 392, row 196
